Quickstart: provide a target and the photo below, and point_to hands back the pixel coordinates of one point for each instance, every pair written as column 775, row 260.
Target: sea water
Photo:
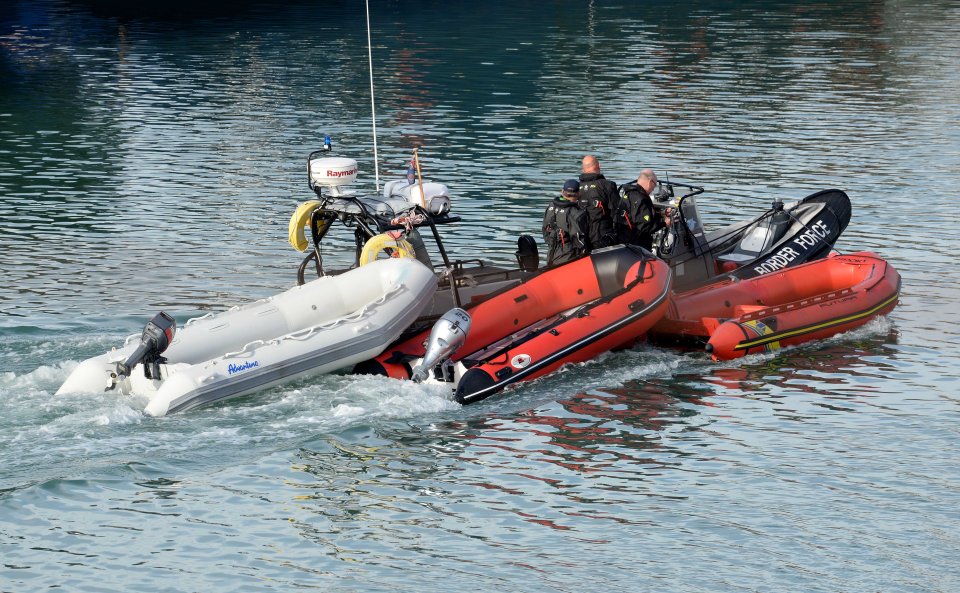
column 150, row 159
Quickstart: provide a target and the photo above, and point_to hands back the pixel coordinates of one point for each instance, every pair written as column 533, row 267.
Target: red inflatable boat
column 570, row 313
column 795, row 305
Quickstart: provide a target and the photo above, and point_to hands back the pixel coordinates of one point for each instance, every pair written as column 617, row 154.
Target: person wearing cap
column 566, row 226
column 636, row 220
column 600, row 198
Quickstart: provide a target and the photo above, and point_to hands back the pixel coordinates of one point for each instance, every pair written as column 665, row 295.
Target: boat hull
column 322, row 326
column 800, row 304
column 567, row 314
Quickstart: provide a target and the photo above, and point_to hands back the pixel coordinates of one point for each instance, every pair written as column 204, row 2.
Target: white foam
column 347, row 411
column 41, row 378
column 873, row 328
column 612, row 369
column 120, row 415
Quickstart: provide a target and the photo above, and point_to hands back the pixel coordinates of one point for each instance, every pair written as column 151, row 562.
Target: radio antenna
column 373, row 106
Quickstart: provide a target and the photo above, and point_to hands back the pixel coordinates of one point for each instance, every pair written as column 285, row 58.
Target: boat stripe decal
column 812, row 328
column 483, row 393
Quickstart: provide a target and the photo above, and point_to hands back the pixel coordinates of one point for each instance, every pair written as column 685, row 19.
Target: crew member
column 566, row 226
column 600, row 198
column 636, row 220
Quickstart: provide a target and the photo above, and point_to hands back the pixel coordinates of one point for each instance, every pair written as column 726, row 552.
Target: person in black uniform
column 566, row 226
column 636, row 220
column 600, row 198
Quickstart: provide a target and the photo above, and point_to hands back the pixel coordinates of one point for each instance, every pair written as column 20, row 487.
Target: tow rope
column 408, row 221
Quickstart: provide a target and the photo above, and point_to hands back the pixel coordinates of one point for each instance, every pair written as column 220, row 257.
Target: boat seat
column 757, row 239
column 736, row 257
column 473, row 276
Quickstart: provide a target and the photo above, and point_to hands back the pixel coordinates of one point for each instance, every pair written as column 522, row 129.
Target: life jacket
column 598, row 196
column 635, row 219
column 564, row 230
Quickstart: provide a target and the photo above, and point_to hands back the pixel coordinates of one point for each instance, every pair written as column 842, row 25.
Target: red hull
column 796, row 305
column 571, row 313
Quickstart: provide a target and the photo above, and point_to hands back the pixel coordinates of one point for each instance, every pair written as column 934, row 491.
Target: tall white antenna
column 373, row 106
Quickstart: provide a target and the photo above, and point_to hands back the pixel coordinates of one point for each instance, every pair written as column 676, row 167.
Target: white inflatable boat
column 322, row 326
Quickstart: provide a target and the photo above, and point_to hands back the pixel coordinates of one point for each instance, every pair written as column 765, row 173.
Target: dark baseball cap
column 571, row 186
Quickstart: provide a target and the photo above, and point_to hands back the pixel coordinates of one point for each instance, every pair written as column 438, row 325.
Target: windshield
column 690, row 215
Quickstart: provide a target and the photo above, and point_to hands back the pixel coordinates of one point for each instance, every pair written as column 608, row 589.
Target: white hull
column 328, row 324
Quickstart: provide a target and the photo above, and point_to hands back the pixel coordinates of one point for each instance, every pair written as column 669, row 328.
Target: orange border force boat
column 570, row 313
column 808, row 302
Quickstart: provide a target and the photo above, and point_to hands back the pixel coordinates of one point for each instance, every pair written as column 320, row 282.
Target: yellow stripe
column 811, row 328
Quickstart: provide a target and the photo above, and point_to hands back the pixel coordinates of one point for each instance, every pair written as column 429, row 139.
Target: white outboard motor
column 446, row 337
column 331, row 172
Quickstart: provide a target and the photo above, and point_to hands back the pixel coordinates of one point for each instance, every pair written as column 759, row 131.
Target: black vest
column 599, row 197
column 565, row 228
column 635, row 219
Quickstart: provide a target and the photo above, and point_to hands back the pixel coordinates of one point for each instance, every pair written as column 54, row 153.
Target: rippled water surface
column 151, row 158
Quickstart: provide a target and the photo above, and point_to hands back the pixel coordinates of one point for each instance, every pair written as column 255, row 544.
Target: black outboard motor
column 156, row 336
column 528, row 257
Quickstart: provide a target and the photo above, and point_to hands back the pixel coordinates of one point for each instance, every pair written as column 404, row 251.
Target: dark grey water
column 151, row 159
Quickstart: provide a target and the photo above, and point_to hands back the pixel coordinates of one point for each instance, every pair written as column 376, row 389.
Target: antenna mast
column 373, row 106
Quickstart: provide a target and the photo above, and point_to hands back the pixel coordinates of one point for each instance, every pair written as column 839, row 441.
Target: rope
column 305, row 333
column 409, row 221
column 193, row 320
column 719, row 240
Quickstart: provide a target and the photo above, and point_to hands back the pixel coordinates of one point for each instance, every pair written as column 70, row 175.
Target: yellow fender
column 298, row 222
column 377, row 243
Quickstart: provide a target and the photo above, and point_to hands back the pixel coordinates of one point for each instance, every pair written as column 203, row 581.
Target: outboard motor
column 156, row 336
column 446, row 337
column 528, row 258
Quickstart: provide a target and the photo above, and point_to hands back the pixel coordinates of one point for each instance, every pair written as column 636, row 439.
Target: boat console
column 684, row 244
column 783, row 236
column 404, row 209
column 759, row 237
